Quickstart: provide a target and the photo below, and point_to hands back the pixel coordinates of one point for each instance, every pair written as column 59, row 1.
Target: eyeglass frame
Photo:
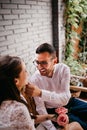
column 42, row 63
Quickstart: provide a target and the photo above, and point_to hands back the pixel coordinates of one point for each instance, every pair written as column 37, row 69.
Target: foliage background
column 75, row 15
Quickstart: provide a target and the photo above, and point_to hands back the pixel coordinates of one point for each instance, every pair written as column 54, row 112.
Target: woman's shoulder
column 11, row 104
column 12, row 108
column 15, row 114
column 19, row 112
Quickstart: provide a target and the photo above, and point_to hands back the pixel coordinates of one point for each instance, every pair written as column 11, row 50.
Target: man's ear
column 16, row 81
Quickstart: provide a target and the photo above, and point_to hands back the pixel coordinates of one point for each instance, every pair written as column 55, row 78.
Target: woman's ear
column 16, row 81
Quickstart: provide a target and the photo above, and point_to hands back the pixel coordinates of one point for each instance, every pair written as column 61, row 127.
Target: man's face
column 45, row 63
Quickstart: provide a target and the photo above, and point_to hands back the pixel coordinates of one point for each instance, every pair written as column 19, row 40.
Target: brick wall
column 61, row 29
column 24, row 24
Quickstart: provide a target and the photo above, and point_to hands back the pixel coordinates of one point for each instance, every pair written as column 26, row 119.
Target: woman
column 13, row 108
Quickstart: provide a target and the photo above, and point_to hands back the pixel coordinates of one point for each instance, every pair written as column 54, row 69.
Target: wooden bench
column 79, row 88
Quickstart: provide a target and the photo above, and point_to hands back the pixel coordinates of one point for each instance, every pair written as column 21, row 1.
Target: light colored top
column 15, row 116
column 55, row 90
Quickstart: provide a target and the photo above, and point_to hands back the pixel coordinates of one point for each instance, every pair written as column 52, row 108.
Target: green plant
column 76, row 12
column 83, row 44
column 83, row 57
column 75, row 67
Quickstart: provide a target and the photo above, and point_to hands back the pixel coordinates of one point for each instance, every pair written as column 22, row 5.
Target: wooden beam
column 77, row 88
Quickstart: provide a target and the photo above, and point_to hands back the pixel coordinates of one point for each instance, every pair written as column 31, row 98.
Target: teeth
column 42, row 70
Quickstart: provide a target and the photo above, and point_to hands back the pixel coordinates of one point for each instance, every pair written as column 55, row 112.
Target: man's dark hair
column 45, row 47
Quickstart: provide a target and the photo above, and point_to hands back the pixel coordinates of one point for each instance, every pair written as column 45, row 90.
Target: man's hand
column 32, row 90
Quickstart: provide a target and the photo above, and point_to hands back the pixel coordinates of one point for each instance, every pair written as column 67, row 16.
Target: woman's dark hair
column 10, row 68
column 45, row 47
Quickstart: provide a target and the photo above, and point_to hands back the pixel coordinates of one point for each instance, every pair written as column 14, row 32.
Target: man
column 53, row 81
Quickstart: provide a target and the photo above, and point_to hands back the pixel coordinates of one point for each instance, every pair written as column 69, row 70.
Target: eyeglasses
column 42, row 63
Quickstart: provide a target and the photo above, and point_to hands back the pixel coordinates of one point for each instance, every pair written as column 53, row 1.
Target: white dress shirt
column 55, row 90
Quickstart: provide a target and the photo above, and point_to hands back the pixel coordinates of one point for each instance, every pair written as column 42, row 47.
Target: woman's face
column 22, row 80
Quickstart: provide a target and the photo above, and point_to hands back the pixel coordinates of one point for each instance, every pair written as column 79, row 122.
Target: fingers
column 32, row 90
column 29, row 89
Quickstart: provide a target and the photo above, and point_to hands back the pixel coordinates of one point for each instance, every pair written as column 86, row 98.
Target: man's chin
column 43, row 73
